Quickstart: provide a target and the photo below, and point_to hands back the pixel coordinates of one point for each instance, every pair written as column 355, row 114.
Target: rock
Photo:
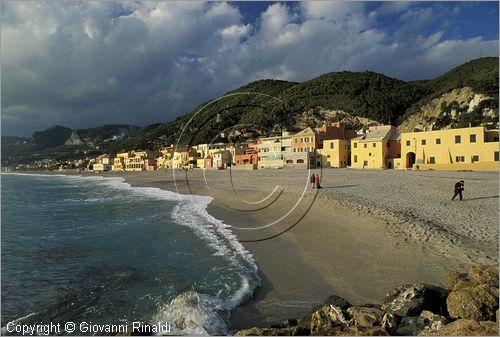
column 390, row 323
column 361, row 331
column 454, row 277
column 473, row 302
column 411, row 300
column 364, row 316
column 263, row 332
column 435, row 322
column 336, row 301
column 412, row 326
column 464, row 284
column 305, row 321
column 325, row 320
column 484, row 275
column 299, row 331
column 466, row 327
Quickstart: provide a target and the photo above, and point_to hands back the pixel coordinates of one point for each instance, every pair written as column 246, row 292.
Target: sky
column 89, row 63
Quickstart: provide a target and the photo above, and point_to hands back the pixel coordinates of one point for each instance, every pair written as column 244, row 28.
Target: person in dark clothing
column 312, row 180
column 459, row 187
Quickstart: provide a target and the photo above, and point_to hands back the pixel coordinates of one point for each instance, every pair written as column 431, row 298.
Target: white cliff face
column 74, row 139
column 318, row 117
column 426, row 117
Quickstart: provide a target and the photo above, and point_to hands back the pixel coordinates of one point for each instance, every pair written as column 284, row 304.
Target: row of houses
column 379, row 147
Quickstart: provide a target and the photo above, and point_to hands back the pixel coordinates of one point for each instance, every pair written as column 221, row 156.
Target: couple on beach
column 315, row 181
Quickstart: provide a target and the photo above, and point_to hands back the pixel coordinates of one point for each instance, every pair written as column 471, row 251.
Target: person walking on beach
column 312, row 180
column 316, row 181
column 459, row 187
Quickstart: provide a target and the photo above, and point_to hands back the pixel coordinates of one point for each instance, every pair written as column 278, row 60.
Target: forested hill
column 362, row 94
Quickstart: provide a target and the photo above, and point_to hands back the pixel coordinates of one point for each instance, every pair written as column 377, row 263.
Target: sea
column 96, row 250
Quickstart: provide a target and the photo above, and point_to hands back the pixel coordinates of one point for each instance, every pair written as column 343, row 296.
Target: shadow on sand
column 479, row 198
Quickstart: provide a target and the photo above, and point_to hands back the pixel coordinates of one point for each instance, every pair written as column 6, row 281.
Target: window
column 374, row 144
column 295, row 140
column 459, row 159
column 388, row 144
column 472, row 138
column 432, row 160
column 331, row 145
column 365, row 163
column 328, row 156
column 370, row 154
column 366, row 145
column 475, row 158
column 356, row 158
column 355, row 145
column 496, row 155
column 438, row 141
column 495, row 139
column 458, row 139
column 301, row 140
column 424, row 141
column 408, row 143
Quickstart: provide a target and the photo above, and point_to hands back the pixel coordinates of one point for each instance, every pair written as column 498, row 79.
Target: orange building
column 306, row 143
column 311, row 139
column 246, row 156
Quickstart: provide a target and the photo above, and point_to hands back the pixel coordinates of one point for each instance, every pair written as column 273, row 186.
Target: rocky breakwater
column 468, row 307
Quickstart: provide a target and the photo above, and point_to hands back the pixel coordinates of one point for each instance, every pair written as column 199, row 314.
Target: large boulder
column 337, row 301
column 364, row 316
column 473, row 302
column 466, row 327
column 411, row 300
column 411, row 326
column 326, row 320
column 434, row 322
column 390, row 323
column 484, row 275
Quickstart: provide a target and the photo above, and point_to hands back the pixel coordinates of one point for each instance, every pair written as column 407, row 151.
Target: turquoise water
column 95, row 249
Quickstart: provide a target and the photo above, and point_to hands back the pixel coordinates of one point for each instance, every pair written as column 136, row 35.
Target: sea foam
column 191, row 312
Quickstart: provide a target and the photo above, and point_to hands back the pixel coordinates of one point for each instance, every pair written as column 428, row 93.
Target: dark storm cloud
column 83, row 64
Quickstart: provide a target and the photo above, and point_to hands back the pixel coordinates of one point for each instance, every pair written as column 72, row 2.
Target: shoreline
column 353, row 251
column 356, row 254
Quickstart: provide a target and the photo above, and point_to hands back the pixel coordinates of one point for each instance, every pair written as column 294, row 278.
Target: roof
column 379, row 133
column 306, row 131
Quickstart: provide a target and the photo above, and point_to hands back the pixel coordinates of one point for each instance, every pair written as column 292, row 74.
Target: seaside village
column 328, row 146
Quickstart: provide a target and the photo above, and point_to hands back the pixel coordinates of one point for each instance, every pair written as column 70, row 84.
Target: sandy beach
column 363, row 233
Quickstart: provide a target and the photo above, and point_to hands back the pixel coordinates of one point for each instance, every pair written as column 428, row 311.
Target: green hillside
column 266, row 106
column 364, row 94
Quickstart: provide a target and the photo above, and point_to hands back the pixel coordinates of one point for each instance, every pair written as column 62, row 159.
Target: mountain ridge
column 356, row 98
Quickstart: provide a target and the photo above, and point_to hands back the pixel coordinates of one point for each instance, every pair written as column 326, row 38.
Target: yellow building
column 119, row 162
column 453, row 149
column 376, row 149
column 335, row 153
column 164, row 160
column 103, row 163
column 135, row 160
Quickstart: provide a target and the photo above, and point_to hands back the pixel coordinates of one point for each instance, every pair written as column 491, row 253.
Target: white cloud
column 86, row 63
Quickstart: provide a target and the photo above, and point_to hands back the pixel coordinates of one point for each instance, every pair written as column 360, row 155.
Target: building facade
column 335, row 153
column 377, row 149
column 272, row 150
column 453, row 149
